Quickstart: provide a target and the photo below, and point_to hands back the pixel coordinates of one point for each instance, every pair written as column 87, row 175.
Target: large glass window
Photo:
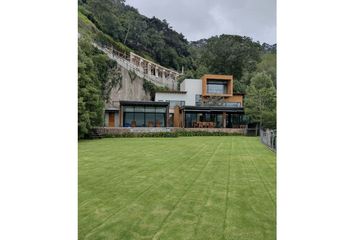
column 197, row 119
column 140, row 119
column 150, row 119
column 160, row 120
column 234, row 120
column 191, row 118
column 144, row 116
column 217, row 87
column 128, row 119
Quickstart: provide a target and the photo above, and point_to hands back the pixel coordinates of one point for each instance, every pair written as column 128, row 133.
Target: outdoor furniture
column 133, row 124
column 158, row 123
column 150, row 124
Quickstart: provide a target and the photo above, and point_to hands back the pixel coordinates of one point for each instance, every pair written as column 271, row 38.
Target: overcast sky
column 198, row 19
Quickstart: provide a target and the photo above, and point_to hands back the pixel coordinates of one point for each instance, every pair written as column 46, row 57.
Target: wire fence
column 269, row 138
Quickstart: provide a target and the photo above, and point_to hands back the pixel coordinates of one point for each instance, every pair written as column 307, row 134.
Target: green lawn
column 176, row 188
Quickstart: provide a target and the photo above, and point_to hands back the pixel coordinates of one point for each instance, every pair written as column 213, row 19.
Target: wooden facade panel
column 235, row 98
column 176, row 117
column 228, row 78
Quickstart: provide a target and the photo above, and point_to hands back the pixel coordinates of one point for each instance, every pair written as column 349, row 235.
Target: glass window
column 150, row 109
column 150, row 119
column 139, row 119
column 139, row 109
column 160, row 109
column 218, row 87
column 160, row 120
column 128, row 119
column 128, row 109
column 219, row 122
column 200, row 117
column 191, row 118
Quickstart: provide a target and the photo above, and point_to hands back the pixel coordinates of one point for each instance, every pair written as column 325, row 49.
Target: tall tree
column 231, row 54
column 260, row 101
column 97, row 75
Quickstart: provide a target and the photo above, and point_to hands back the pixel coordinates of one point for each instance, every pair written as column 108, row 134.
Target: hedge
column 169, row 134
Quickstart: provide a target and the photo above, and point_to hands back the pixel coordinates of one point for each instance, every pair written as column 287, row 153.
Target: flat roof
column 143, row 103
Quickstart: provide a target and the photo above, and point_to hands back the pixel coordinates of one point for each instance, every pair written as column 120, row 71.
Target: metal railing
column 269, row 138
column 219, row 104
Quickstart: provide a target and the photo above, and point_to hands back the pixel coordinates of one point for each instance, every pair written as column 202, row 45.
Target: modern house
column 205, row 103
column 208, row 102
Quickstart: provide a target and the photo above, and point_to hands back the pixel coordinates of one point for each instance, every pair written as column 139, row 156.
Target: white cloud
column 198, row 19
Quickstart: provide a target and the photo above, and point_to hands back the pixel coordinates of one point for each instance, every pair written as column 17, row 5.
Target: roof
column 212, row 109
column 143, row 103
column 172, row 91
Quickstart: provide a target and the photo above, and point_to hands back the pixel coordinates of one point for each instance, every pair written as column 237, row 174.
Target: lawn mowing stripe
column 166, row 195
column 199, row 217
column 176, row 204
column 165, row 175
column 177, row 162
column 252, row 215
column 180, row 205
column 261, row 177
column 227, row 188
column 121, row 178
column 95, row 228
column 115, row 183
column 212, row 221
column 261, row 148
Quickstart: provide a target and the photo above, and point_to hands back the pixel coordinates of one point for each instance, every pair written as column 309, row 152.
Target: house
column 208, row 102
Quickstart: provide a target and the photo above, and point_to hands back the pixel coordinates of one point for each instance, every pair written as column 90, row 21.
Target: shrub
column 178, row 133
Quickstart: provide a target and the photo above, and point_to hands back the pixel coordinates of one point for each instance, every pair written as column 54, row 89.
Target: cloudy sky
column 198, row 19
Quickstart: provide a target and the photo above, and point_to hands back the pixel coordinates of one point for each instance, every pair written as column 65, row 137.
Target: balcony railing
column 219, row 104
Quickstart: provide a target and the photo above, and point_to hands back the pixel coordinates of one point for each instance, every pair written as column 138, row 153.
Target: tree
column 231, row 54
column 95, row 81
column 269, row 65
column 260, row 101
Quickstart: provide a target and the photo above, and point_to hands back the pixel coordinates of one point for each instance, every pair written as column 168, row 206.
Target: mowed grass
column 177, row 188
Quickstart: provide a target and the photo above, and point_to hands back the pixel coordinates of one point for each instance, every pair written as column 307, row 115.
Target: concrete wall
column 131, row 90
column 192, row 87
